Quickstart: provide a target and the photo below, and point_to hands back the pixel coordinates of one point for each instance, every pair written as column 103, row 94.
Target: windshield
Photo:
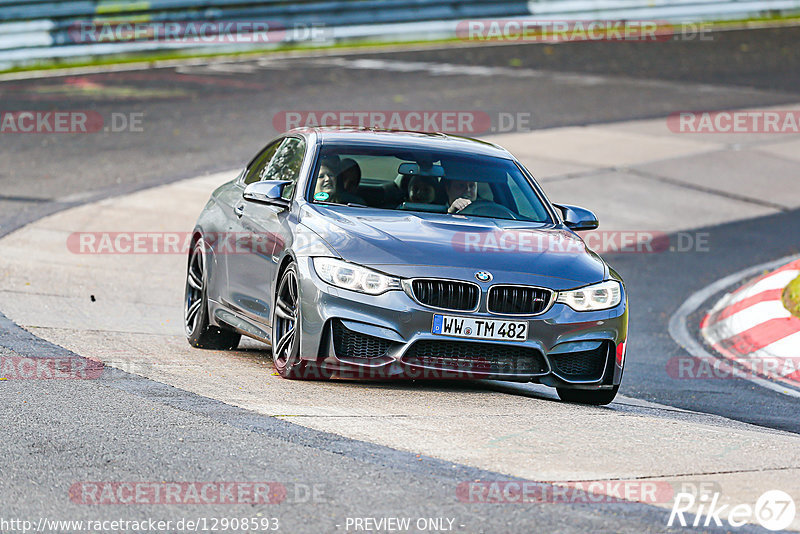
column 407, row 179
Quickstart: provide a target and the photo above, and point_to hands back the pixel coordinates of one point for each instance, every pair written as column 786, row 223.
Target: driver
column 460, row 194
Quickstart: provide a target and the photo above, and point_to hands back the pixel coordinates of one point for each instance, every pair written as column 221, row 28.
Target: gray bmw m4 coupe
column 383, row 254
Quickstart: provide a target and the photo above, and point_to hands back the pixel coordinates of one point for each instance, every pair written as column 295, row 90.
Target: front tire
column 596, row 397
column 199, row 332
column 286, row 332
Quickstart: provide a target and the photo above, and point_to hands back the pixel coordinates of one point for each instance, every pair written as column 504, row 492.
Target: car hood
column 399, row 242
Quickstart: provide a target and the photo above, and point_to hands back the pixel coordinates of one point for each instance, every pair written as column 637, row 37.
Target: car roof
column 410, row 139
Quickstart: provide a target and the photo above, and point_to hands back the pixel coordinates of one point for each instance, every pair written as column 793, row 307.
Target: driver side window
column 279, row 161
column 256, row 170
column 286, row 163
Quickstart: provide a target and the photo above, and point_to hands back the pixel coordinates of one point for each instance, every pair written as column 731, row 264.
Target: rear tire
column 199, row 332
column 594, row 397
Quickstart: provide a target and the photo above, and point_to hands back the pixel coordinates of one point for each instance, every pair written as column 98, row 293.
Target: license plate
column 475, row 328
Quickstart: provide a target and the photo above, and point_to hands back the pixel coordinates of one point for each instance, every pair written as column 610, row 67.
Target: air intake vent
column 478, row 358
column 350, row 344
column 583, row 366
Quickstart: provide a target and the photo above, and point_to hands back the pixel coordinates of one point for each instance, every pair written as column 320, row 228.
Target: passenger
column 460, row 194
column 422, row 189
column 327, row 180
column 329, row 187
column 351, row 175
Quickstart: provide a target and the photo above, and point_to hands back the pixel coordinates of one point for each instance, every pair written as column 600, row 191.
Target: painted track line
column 753, row 328
column 679, row 329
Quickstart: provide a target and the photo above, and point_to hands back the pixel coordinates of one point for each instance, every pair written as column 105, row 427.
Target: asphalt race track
column 189, row 416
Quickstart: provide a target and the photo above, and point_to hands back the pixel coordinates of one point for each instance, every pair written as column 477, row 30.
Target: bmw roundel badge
column 483, row 276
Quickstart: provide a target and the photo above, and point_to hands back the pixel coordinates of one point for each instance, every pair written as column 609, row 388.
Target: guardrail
column 36, row 30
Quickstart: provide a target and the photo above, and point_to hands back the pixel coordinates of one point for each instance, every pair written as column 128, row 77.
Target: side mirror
column 267, row 192
column 577, row 218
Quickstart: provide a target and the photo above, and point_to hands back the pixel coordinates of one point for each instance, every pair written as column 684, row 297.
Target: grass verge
column 166, row 56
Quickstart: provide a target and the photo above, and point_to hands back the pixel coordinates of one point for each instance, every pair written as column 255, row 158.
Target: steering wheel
column 487, row 208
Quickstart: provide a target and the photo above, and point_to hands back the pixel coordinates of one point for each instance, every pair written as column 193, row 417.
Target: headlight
column 600, row 296
column 354, row 277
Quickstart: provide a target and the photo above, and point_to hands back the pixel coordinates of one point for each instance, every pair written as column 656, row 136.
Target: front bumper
column 389, row 336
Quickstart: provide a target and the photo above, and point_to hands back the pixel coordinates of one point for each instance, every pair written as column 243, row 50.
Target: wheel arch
column 287, row 259
column 211, row 271
column 196, row 235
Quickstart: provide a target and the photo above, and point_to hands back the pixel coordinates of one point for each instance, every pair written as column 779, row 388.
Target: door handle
column 239, row 210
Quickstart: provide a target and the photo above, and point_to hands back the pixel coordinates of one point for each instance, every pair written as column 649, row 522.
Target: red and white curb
column 752, row 327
